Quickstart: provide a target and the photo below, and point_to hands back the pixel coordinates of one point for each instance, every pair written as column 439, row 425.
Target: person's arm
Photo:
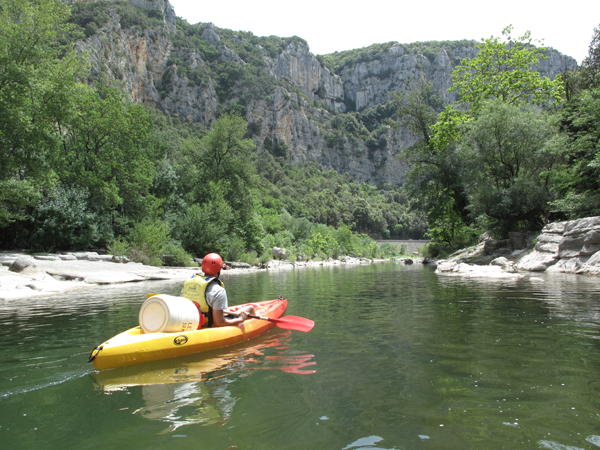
column 219, row 319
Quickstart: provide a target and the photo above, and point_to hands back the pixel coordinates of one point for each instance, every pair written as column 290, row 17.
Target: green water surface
column 399, row 359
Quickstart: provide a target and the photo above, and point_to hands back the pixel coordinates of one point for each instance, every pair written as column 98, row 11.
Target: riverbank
column 562, row 247
column 24, row 276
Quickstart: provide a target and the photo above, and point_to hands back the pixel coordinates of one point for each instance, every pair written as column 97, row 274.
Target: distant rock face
column 210, row 35
column 568, row 247
column 298, row 123
column 161, row 5
column 371, row 83
column 298, row 66
column 137, row 58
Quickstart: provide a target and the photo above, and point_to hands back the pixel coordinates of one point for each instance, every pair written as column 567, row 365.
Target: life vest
column 194, row 289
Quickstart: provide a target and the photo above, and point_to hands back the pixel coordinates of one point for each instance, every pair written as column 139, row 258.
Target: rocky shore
column 562, row 247
column 23, row 276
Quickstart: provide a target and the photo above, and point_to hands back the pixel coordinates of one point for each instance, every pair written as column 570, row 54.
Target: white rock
column 501, row 261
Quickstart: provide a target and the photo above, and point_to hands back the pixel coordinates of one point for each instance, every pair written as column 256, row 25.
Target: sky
column 328, row 26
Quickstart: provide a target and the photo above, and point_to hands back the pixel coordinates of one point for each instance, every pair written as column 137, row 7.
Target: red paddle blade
column 294, row 323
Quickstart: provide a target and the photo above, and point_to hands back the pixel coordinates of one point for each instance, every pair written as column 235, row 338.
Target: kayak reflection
column 194, row 389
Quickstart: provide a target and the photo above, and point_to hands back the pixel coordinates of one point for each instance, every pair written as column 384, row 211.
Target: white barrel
column 168, row 314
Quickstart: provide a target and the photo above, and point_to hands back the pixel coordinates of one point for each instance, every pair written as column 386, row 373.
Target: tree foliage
column 510, row 154
column 503, row 69
column 103, row 148
column 488, row 160
column 578, row 186
column 64, row 219
column 38, row 83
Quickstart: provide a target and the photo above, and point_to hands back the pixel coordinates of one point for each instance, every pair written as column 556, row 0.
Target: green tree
column 587, row 76
column 418, row 109
column 224, row 153
column 510, row 154
column 17, row 198
column 500, row 167
column 204, row 228
column 579, row 181
column 504, row 69
column 64, row 220
column 38, row 88
column 103, row 148
column 222, row 162
column 436, row 176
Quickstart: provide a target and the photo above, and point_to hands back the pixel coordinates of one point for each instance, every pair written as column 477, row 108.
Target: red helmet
column 212, row 264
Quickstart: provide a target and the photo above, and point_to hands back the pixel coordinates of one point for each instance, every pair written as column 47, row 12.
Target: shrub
column 148, row 241
column 233, row 248
column 202, row 229
column 175, row 256
column 141, row 255
column 265, row 257
column 387, row 249
column 249, row 258
column 118, row 247
column 435, row 250
column 64, row 220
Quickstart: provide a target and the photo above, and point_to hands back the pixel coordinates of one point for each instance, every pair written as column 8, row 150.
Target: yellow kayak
column 194, row 368
column 135, row 347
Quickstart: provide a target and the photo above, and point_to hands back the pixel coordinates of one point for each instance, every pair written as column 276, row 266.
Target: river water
column 399, row 358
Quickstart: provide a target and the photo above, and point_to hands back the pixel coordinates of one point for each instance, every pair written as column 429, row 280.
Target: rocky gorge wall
column 296, row 117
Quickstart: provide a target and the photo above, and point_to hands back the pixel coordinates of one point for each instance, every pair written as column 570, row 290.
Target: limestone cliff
column 289, row 96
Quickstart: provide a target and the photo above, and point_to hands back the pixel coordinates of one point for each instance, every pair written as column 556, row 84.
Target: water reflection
column 195, row 389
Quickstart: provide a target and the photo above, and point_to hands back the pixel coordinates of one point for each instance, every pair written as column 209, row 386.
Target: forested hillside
column 125, row 126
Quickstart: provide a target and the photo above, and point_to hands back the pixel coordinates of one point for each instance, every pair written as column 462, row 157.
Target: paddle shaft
column 252, row 316
column 287, row 322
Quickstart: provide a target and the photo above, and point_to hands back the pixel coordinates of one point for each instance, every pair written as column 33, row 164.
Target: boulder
column 491, row 246
column 279, row 253
column 520, row 240
column 451, row 268
column 537, row 261
column 97, row 257
column 485, row 237
column 539, row 267
column 501, row 261
column 591, row 266
column 566, row 247
column 21, row 263
column 501, row 251
column 569, row 265
column 83, row 255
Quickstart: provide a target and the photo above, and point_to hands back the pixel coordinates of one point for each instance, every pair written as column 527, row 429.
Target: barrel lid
column 153, row 316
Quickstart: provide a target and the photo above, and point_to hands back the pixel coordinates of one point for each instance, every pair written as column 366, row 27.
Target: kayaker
column 209, row 293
